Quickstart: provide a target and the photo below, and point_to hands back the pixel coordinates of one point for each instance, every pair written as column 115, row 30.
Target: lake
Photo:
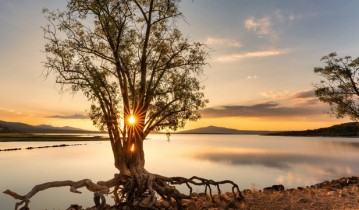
column 252, row 161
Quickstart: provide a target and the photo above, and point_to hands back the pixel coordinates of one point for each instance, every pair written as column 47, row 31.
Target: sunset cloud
column 74, row 116
column 300, row 98
column 11, row 111
column 221, row 41
column 280, row 104
column 261, row 27
column 268, row 109
column 285, row 94
column 255, row 54
column 252, row 77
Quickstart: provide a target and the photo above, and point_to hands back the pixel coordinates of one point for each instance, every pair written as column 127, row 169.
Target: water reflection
column 280, row 160
column 247, row 160
column 291, row 161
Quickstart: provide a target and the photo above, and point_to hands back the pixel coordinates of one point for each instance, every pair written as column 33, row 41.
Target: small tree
column 140, row 74
column 339, row 88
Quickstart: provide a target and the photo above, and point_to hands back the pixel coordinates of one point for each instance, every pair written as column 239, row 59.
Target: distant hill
column 219, row 130
column 343, row 130
column 17, row 127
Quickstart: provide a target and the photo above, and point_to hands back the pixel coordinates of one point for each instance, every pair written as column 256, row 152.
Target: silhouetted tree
column 140, row 74
column 339, row 87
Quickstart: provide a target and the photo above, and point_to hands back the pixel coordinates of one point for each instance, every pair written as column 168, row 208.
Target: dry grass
column 308, row 198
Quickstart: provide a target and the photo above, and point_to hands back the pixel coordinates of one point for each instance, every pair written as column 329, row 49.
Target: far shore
column 26, row 137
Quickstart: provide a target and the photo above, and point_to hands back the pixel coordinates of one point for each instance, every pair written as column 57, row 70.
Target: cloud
column 285, row 94
column 268, row 109
column 284, row 15
column 255, row 54
column 252, row 77
column 74, row 116
column 219, row 41
column 281, row 104
column 276, row 94
column 304, row 94
column 300, row 98
column 11, row 111
column 261, row 27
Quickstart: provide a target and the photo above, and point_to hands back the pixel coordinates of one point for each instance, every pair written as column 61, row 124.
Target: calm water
column 249, row 160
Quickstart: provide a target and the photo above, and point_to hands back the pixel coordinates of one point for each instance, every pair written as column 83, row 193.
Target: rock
column 74, row 207
column 267, row 189
column 135, row 203
column 158, row 203
column 126, row 208
column 231, row 205
column 192, row 206
column 165, row 204
column 245, row 191
column 331, row 193
column 303, row 200
column 194, row 195
column 291, row 190
column 336, row 184
column 274, row 188
column 146, row 202
column 224, row 197
column 279, row 188
column 186, row 202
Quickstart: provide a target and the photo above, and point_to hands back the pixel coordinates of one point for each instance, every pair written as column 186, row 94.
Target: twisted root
column 137, row 191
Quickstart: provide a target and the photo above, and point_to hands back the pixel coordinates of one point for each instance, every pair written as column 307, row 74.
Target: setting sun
column 131, row 120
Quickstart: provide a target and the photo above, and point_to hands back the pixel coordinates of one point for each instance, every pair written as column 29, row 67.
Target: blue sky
column 260, row 73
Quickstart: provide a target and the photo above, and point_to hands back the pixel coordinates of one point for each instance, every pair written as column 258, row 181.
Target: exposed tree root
column 136, row 192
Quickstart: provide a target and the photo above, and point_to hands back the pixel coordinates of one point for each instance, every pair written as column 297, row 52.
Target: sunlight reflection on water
column 246, row 159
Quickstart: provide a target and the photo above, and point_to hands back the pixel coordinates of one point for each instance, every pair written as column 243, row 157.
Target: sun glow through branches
column 132, row 148
column 131, row 120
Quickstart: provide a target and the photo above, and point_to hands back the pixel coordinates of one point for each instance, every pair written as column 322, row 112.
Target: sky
column 259, row 74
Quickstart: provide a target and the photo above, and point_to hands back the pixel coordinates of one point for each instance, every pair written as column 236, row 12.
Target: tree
column 339, row 88
column 140, row 74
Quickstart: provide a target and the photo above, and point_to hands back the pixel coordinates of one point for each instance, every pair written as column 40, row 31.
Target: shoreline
column 26, row 137
column 342, row 193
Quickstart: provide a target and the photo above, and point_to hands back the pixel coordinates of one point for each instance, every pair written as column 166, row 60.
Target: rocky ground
column 336, row 194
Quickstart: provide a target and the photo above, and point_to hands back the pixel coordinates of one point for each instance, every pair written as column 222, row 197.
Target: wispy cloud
column 300, row 98
column 279, row 104
column 252, row 77
column 74, row 116
column 275, row 95
column 11, row 111
column 285, row 15
column 221, row 41
column 304, row 94
column 261, row 27
column 268, row 109
column 255, row 54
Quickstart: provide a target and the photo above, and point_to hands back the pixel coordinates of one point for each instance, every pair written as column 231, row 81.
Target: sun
column 131, row 120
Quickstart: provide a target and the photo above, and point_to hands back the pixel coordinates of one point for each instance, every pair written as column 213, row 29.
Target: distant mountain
column 343, row 130
column 220, row 130
column 17, row 127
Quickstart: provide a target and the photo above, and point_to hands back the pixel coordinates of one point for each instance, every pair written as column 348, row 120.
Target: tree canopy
column 339, row 86
column 127, row 57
